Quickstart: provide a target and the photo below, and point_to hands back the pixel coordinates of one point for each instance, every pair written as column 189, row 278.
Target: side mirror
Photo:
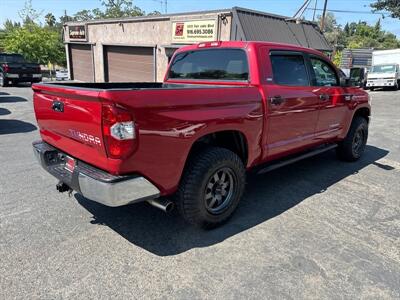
column 344, row 82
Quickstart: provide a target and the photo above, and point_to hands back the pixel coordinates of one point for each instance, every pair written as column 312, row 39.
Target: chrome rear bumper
column 93, row 183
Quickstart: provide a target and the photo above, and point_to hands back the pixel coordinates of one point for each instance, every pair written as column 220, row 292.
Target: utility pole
column 315, row 9
column 323, row 16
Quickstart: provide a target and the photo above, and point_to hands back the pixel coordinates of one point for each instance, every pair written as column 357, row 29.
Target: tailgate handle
column 58, row 106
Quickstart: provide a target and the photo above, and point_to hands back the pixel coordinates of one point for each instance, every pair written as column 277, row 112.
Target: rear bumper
column 22, row 78
column 93, row 183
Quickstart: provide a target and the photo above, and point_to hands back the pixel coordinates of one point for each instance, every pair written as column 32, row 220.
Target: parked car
column 224, row 108
column 14, row 69
column 62, row 75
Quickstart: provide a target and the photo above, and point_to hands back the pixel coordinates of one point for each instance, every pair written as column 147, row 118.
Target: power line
column 350, row 11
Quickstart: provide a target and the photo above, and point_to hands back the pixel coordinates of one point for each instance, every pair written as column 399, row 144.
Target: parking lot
column 320, row 228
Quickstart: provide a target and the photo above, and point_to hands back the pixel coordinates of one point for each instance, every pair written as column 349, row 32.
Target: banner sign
column 77, row 32
column 194, row 31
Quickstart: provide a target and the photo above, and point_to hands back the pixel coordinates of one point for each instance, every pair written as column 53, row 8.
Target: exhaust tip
column 161, row 203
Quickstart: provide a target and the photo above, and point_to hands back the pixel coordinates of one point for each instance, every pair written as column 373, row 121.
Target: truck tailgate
column 71, row 120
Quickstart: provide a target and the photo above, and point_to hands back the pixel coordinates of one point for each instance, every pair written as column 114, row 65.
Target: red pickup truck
column 224, row 108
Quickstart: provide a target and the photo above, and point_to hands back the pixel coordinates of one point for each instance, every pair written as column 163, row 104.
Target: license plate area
column 70, row 164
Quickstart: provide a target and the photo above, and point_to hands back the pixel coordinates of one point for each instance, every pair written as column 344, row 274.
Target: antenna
column 164, row 5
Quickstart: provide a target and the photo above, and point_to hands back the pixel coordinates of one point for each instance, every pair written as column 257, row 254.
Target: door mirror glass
column 345, row 82
column 356, row 76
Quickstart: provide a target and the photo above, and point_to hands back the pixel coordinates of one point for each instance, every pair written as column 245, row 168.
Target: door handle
column 348, row 97
column 276, row 100
column 324, row 97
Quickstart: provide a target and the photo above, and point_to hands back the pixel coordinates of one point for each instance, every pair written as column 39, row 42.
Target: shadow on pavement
column 12, row 99
column 15, row 126
column 266, row 197
column 3, row 93
column 4, row 111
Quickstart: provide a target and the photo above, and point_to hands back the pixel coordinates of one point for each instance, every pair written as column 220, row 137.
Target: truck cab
column 384, row 75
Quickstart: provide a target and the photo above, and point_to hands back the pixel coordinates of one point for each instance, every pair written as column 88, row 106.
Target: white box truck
column 385, row 69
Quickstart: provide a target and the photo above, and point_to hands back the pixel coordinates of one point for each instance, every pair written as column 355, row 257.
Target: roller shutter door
column 129, row 64
column 81, row 62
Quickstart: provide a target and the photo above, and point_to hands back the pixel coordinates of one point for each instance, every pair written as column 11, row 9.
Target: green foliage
column 50, row 20
column 392, row 6
column 337, row 58
column 112, row 9
column 36, row 44
column 358, row 35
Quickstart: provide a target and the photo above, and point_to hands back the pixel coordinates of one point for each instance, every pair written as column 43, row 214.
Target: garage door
column 81, row 62
column 129, row 64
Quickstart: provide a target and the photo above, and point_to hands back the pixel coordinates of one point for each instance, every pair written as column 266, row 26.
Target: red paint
column 169, row 121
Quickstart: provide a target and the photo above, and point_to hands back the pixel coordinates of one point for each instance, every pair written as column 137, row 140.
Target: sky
column 9, row 8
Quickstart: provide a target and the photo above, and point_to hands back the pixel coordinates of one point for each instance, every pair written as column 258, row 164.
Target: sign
column 194, row 31
column 77, row 32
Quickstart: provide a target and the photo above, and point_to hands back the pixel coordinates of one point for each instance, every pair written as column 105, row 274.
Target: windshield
column 12, row 58
column 213, row 64
column 384, row 69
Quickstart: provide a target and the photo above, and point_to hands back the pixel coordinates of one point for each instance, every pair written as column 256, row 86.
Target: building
column 139, row 48
column 356, row 58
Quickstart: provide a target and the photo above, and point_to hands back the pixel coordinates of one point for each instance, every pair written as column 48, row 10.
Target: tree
column 50, row 19
column 28, row 14
column 36, row 44
column 392, row 6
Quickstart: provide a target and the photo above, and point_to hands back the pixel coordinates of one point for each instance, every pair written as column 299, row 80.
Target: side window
column 289, row 69
column 325, row 75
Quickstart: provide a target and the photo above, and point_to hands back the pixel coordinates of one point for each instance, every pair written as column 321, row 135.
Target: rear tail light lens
column 118, row 131
column 6, row 68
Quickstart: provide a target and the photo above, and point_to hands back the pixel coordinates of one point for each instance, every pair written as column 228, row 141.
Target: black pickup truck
column 14, row 69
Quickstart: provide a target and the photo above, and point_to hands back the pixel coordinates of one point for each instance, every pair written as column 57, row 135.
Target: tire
column 371, row 89
column 3, row 82
column 206, row 197
column 353, row 146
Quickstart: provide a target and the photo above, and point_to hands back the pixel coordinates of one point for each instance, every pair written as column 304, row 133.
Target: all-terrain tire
column 202, row 179
column 353, row 146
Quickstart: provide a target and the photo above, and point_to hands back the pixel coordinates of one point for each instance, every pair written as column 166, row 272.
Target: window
column 212, row 64
column 384, row 69
column 325, row 75
column 12, row 58
column 289, row 69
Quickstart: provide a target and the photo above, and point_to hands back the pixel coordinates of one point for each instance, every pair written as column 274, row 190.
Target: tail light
column 6, row 68
column 38, row 69
column 118, row 131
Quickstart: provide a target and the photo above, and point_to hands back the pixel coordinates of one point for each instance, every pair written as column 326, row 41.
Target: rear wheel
column 211, row 187
column 353, row 146
column 3, row 81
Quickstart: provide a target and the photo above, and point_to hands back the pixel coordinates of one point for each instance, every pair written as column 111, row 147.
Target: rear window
column 289, row 70
column 12, row 58
column 214, row 64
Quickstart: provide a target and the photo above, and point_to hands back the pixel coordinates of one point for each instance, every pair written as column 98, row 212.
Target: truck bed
column 131, row 85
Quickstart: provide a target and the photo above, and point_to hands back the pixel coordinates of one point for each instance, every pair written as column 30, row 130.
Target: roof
column 246, row 44
column 259, row 26
column 250, row 25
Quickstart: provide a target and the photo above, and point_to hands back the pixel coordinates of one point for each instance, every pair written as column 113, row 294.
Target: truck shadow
column 12, row 99
column 4, row 111
column 15, row 126
column 266, row 197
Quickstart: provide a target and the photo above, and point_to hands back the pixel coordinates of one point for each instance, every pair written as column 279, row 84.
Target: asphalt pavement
column 320, row 229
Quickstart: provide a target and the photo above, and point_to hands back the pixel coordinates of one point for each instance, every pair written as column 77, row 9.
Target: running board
column 279, row 164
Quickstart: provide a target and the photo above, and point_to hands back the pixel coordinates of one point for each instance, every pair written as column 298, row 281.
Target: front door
column 292, row 107
column 333, row 99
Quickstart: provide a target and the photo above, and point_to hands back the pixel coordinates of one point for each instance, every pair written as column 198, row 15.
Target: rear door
column 292, row 107
column 332, row 97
